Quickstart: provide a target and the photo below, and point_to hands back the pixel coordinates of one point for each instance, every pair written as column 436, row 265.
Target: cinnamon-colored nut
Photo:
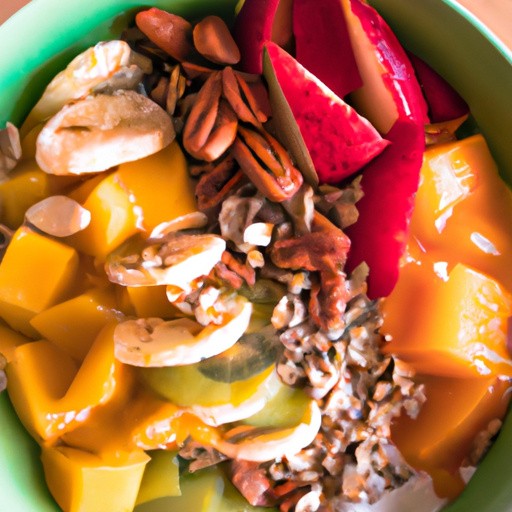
column 168, row 31
column 213, row 40
column 195, row 71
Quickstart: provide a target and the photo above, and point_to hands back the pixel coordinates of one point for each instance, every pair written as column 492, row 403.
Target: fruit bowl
column 440, row 32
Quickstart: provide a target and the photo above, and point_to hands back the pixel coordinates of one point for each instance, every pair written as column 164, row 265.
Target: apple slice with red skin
column 322, row 44
column 339, row 140
column 445, row 103
column 392, row 100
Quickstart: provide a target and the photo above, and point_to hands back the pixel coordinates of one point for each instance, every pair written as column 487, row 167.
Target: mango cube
column 151, row 301
column 454, row 328
column 10, row 340
column 454, row 215
column 51, row 394
column 83, row 482
column 442, row 435
column 75, row 324
column 35, row 274
column 114, row 217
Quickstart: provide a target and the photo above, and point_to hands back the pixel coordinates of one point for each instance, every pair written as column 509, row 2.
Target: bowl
column 47, row 34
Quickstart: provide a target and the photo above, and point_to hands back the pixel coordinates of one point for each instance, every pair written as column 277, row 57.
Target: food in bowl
column 234, row 334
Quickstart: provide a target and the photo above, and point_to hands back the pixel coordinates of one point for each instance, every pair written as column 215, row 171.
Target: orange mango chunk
column 36, row 273
column 75, row 324
column 160, row 185
column 453, row 215
column 454, row 328
column 151, row 301
column 83, row 482
column 51, row 394
column 440, row 438
column 10, row 340
column 114, row 216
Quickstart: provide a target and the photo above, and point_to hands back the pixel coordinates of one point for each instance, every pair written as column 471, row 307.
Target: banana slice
column 229, row 413
column 262, row 444
column 154, row 342
column 177, row 260
column 100, row 132
column 86, row 71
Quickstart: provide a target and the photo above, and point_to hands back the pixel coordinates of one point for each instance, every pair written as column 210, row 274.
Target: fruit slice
column 392, row 100
column 82, row 482
column 445, row 103
column 261, row 444
column 155, row 342
column 453, row 215
column 456, row 410
column 325, row 51
column 457, row 328
column 339, row 141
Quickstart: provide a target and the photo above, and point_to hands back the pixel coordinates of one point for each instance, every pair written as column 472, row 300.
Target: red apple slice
column 339, row 140
column 322, row 44
column 391, row 98
column 445, row 103
column 257, row 22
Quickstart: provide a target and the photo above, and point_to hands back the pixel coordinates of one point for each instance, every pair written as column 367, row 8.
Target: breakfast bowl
column 440, row 32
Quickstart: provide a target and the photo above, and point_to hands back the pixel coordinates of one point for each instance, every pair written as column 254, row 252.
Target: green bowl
column 38, row 42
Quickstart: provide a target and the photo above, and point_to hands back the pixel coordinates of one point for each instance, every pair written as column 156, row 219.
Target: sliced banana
column 100, row 132
column 155, row 342
column 176, row 260
column 262, row 444
column 86, row 71
column 229, row 413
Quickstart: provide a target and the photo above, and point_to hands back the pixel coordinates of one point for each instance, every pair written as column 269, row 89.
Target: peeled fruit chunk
column 100, row 132
column 155, row 342
column 442, row 434
column 339, row 141
column 151, row 302
column 83, row 482
column 457, row 328
column 82, row 74
column 325, row 51
column 51, row 394
column 261, row 444
column 161, row 477
column 9, row 341
column 177, row 260
column 200, row 492
column 35, row 274
column 114, row 218
column 453, row 215
column 75, row 324
column 161, row 186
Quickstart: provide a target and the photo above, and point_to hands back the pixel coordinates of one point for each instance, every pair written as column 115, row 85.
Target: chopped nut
column 58, row 216
column 255, row 259
column 10, row 149
column 259, row 233
column 192, row 220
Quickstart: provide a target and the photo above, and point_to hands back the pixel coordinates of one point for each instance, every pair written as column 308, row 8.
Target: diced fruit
column 391, row 99
column 36, row 273
column 9, row 341
column 151, row 302
column 114, row 217
column 27, row 185
column 74, row 325
column 161, row 477
column 325, row 51
column 444, row 102
column 457, row 327
column 51, row 395
column 160, row 185
column 456, row 410
column 200, row 492
column 454, row 216
column 251, row 30
column 339, row 141
column 82, row 482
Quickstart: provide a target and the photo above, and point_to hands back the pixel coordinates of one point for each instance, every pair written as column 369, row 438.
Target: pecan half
column 267, row 164
column 211, row 125
column 240, row 97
